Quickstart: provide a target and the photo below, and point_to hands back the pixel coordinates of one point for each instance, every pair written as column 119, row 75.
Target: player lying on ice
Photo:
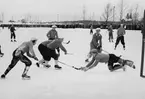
column 114, row 62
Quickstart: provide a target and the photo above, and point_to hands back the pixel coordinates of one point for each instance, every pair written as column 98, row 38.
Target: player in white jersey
column 18, row 55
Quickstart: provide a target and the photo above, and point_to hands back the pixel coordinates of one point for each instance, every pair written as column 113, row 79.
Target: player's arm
column 48, row 34
column 28, row 54
column 118, row 33
column 56, row 34
column 94, row 64
column 124, row 32
column 91, row 62
column 63, row 48
column 31, row 53
column 100, row 41
column 14, row 29
column 94, row 39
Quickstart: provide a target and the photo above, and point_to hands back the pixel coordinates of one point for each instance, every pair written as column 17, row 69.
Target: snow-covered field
column 97, row 83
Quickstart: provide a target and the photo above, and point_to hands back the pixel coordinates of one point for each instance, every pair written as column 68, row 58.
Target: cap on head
column 54, row 26
column 121, row 25
column 98, row 29
column 34, row 39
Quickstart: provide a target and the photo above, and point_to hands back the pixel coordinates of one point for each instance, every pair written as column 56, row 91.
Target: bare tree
column 107, row 12
column 84, row 12
column 135, row 15
column 122, row 10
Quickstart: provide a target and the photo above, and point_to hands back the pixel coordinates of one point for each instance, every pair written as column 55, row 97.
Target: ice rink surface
column 68, row 83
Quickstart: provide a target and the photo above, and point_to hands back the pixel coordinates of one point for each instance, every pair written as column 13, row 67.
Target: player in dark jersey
column 47, row 50
column 13, row 35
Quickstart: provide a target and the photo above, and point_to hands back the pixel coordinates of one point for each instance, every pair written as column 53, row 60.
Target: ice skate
column 25, row 77
column 1, row 54
column 3, row 76
column 47, row 66
column 57, row 67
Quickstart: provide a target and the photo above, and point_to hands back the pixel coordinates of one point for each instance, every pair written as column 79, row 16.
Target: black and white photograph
column 72, row 49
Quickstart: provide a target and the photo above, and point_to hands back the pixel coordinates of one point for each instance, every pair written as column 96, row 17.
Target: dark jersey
column 12, row 28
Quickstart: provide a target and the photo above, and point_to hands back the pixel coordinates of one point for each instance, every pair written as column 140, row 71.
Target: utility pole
column 143, row 45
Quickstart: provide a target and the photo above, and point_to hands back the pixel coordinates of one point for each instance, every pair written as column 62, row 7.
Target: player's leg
column 55, row 57
column 11, row 37
column 114, row 59
column 28, row 63
column 118, row 66
column 117, row 42
column 111, row 37
column 91, row 31
column 12, row 64
column 127, row 62
column 14, row 35
column 89, row 54
column 122, row 42
column 44, row 51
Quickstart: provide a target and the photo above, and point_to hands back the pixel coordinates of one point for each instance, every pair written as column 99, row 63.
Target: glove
column 85, row 69
column 99, row 47
column 36, row 58
column 65, row 53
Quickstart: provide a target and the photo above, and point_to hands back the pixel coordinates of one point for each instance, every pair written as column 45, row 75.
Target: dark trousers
column 47, row 53
column 112, row 59
column 110, row 37
column 13, row 35
column 15, row 60
column 120, row 39
column 91, row 31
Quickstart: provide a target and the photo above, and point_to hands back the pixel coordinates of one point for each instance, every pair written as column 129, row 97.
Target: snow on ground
column 98, row 83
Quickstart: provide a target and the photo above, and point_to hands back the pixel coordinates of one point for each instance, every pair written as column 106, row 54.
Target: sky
column 59, row 10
